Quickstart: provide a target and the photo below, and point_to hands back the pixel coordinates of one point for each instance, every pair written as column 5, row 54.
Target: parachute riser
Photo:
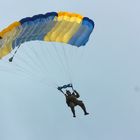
column 11, row 58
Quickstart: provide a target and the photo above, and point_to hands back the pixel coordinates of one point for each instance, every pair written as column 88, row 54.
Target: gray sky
column 105, row 72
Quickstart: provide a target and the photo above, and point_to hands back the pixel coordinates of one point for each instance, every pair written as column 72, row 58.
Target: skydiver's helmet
column 68, row 92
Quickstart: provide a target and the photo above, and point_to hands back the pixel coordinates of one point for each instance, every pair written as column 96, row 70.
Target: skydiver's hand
column 59, row 88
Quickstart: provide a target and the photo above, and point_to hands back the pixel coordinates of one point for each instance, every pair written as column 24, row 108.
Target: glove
column 59, row 88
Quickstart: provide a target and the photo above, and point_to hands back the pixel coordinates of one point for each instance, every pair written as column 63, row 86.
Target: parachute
column 64, row 27
column 59, row 28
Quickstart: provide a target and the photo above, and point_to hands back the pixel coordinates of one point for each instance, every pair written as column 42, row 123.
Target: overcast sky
column 105, row 72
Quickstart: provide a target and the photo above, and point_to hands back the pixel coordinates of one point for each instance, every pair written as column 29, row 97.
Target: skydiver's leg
column 73, row 111
column 81, row 104
column 72, row 105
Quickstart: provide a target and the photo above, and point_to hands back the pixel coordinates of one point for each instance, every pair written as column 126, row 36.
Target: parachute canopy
column 65, row 27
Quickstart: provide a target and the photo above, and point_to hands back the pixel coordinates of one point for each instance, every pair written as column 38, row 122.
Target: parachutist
column 72, row 101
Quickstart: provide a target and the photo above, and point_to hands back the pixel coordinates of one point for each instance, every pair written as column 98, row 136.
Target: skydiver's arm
column 60, row 90
column 66, row 96
column 67, row 100
column 76, row 93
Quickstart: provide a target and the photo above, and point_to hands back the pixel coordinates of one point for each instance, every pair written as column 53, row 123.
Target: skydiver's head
column 68, row 92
